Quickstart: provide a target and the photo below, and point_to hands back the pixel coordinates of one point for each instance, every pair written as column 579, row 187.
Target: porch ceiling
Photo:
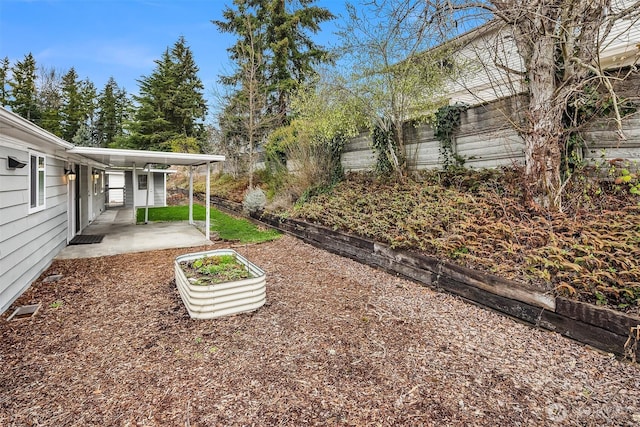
column 120, row 158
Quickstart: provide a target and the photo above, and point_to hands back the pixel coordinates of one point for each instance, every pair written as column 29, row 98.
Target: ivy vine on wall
column 446, row 124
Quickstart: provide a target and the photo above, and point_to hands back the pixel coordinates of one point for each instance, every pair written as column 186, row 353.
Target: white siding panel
column 22, row 247
column 15, row 182
column 26, row 223
column 13, row 198
column 11, row 214
column 159, row 190
column 28, row 242
column 39, row 260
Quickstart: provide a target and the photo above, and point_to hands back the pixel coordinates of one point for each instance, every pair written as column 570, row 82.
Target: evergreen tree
column 23, row 89
column 150, row 127
column 187, row 107
column 4, row 82
column 294, row 53
column 83, row 136
column 71, row 111
column 50, row 99
column 112, row 106
column 171, row 104
column 288, row 51
column 88, row 98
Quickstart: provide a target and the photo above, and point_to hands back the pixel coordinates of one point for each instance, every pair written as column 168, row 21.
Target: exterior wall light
column 14, row 163
column 70, row 174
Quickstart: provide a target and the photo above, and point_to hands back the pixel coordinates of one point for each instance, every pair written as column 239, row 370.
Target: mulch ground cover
column 337, row 343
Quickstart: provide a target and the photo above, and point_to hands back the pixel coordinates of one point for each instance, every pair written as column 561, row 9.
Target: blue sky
column 121, row 38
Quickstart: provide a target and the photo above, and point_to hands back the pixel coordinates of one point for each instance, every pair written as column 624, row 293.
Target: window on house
column 37, row 182
column 142, row 182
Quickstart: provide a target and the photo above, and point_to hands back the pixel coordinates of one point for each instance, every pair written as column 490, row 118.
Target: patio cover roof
column 121, row 158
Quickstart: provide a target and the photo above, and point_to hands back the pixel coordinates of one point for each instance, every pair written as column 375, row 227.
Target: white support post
column 208, row 210
column 191, row 195
column 146, row 205
column 134, row 190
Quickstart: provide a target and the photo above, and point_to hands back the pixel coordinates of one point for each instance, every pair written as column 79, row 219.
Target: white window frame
column 40, row 188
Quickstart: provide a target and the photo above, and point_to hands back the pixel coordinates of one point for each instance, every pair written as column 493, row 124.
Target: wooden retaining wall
column 599, row 327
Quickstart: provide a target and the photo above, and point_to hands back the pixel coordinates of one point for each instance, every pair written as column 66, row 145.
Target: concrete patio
column 121, row 235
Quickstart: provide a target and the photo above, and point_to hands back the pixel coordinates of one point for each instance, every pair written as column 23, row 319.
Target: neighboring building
column 487, row 53
column 51, row 190
column 487, row 136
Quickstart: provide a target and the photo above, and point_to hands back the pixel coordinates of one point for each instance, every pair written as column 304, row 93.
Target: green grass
column 227, row 227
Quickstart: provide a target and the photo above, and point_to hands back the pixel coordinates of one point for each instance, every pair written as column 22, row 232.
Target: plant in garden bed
column 212, row 270
column 590, row 252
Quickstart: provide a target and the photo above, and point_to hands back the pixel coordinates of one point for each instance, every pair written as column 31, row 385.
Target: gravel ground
column 338, row 343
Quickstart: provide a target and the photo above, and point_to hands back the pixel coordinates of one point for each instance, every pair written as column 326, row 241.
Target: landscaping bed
column 337, row 343
column 589, row 252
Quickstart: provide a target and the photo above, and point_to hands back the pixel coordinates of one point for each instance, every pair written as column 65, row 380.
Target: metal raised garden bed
column 222, row 299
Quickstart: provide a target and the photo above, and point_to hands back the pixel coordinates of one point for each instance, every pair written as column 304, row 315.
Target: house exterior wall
column 158, row 196
column 28, row 241
column 34, row 230
column 486, row 53
column 487, row 135
column 83, row 194
column 159, row 189
column 128, row 189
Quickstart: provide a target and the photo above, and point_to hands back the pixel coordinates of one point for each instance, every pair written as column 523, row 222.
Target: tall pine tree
column 50, row 99
column 112, row 104
column 289, row 52
column 171, row 105
column 71, row 111
column 4, row 81
column 23, row 99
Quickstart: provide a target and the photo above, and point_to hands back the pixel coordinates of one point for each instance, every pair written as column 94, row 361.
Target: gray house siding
column 159, row 190
column 28, row 241
column 128, row 187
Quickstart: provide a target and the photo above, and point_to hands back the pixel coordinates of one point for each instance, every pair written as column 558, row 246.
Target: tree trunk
column 543, row 131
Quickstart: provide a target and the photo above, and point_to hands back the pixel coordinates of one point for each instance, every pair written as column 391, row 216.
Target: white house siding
column 487, row 52
column 486, row 137
column 128, row 187
column 159, row 193
column 484, row 56
column 28, row 242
